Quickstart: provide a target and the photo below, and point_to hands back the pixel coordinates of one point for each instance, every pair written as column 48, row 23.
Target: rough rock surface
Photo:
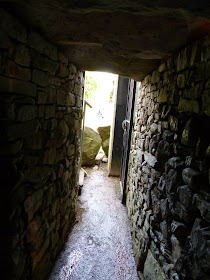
column 41, row 110
column 125, row 37
column 104, row 132
column 168, row 185
column 90, row 146
column 99, row 246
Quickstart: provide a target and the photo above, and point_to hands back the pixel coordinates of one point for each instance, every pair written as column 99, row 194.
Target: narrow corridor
column 99, row 246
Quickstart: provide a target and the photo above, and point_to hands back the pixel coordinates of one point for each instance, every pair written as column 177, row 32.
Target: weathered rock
column 168, row 135
column 162, row 97
column 206, row 102
column 22, row 56
column 150, row 159
column 191, row 177
column 15, row 86
column 40, row 78
column 92, row 45
column 185, row 195
column 179, row 230
column 43, row 63
column 26, row 113
column 152, row 270
column 203, row 206
column 90, row 147
column 200, row 247
column 176, row 162
column 188, row 106
column 23, row 129
column 189, row 134
column 104, row 132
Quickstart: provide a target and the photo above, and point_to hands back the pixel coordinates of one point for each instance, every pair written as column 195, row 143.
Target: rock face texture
column 125, row 37
column 41, row 109
column 90, row 146
column 104, row 132
column 168, row 196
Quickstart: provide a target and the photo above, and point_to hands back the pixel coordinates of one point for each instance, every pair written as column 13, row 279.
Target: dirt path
column 99, row 246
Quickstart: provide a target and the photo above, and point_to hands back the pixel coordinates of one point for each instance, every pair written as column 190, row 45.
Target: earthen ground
column 99, row 247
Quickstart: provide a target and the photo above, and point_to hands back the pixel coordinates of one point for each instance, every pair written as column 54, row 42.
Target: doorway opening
column 99, row 100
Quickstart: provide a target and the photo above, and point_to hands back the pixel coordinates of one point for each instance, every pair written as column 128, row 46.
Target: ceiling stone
column 125, row 37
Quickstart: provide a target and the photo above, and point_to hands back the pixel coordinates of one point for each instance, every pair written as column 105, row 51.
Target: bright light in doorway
column 99, row 92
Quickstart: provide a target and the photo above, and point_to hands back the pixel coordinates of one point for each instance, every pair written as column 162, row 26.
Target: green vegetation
column 90, row 88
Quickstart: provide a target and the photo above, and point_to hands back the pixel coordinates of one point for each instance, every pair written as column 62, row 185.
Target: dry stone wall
column 41, row 110
column 168, row 189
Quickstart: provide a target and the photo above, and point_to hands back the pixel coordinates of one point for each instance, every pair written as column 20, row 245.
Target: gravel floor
column 99, row 246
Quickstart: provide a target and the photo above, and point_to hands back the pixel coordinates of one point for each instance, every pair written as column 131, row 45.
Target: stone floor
column 99, row 246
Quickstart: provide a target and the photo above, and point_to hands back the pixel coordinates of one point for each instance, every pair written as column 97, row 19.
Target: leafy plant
column 90, row 88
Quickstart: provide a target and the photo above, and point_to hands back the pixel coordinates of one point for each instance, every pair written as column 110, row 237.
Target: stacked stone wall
column 168, row 189
column 41, row 97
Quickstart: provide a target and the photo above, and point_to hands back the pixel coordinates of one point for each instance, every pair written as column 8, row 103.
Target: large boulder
column 104, row 132
column 90, row 147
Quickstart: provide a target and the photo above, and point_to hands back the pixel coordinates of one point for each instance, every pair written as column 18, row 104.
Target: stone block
column 173, row 97
column 192, row 178
column 32, row 203
column 150, row 159
column 181, row 213
column 63, row 70
column 173, row 180
column 40, row 78
column 182, row 60
column 15, row 71
column 38, row 173
column 200, row 246
column 185, row 195
column 51, row 96
column 181, row 80
column 37, row 256
column 62, row 58
column 168, row 135
column 152, row 270
column 176, row 162
column 42, row 97
column 26, row 113
column 190, row 133
column 206, row 102
column 21, row 130
column 61, row 97
column 22, row 55
column 50, row 51
column 173, row 123
column 162, row 97
column 193, row 92
column 50, row 156
column 54, row 239
column 188, row 106
column 43, row 63
column 164, row 207
column 49, row 112
column 70, row 99
column 179, row 230
column 11, row 148
column 162, row 68
column 203, row 206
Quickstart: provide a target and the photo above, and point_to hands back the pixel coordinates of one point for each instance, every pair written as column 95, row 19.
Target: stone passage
column 168, row 195
column 40, row 117
column 99, row 246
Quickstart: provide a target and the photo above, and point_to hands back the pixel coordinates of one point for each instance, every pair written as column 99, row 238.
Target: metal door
column 127, row 127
